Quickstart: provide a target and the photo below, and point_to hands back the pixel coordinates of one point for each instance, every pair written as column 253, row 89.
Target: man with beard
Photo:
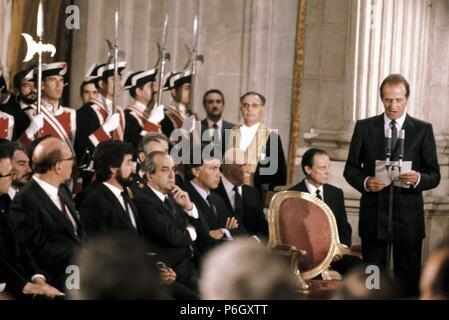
column 109, row 209
column 16, row 106
column 21, row 170
column 214, row 128
column 141, row 87
column 43, row 212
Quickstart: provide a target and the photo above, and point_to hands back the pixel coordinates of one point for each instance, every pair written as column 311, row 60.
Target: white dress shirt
column 247, row 135
column 229, row 187
column 118, row 194
column 312, row 189
column 399, row 123
column 12, row 192
column 192, row 213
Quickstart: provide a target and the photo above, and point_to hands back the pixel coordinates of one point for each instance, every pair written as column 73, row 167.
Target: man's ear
column 307, row 169
column 174, row 93
column 141, row 157
column 196, row 172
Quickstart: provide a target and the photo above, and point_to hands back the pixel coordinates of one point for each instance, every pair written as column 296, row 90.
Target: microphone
column 401, row 140
column 387, row 147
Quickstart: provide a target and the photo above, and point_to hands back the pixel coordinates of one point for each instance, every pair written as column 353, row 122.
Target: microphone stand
column 392, row 167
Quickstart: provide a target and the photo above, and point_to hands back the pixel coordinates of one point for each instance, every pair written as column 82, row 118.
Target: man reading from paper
column 368, row 146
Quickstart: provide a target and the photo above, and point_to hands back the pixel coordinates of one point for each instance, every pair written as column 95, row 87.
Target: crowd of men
column 71, row 178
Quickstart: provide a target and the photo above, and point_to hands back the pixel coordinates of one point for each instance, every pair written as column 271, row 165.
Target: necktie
column 238, row 204
column 167, row 202
column 64, row 211
column 318, row 194
column 127, row 206
column 211, row 205
column 394, row 134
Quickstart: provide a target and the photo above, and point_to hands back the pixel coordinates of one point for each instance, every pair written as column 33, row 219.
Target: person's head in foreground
column 117, row 268
column 367, row 283
column 244, row 270
column 434, row 283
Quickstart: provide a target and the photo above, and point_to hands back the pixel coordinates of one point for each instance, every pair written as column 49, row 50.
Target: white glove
column 111, row 123
column 189, row 124
column 36, row 124
column 157, row 114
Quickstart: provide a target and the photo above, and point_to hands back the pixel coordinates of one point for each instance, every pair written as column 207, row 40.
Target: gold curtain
column 295, row 133
column 24, row 16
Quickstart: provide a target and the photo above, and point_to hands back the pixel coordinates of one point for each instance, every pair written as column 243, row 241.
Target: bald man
column 241, row 199
column 434, row 283
column 44, row 213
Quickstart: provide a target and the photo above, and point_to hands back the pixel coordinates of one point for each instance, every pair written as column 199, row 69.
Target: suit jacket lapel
column 377, row 134
column 52, row 209
column 409, row 128
column 122, row 214
column 222, row 191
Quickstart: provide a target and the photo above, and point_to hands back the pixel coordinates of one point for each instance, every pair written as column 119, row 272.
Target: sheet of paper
column 393, row 172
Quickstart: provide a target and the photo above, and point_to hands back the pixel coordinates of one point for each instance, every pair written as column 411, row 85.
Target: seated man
column 165, row 211
column 19, row 273
column 315, row 165
column 242, row 200
column 44, row 214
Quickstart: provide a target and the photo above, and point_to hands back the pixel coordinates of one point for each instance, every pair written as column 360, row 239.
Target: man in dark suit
column 367, row 146
column 109, row 209
column 44, row 214
column 218, row 222
column 266, row 158
column 242, row 200
column 19, row 273
column 165, row 211
column 315, row 165
column 21, row 171
column 214, row 128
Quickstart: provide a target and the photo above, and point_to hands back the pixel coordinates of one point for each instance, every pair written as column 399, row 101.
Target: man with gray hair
column 169, row 219
column 153, row 141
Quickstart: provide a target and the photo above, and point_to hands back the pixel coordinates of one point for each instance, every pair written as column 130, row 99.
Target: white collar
column 48, row 188
column 116, row 191
column 210, row 123
column 254, row 127
column 229, row 187
column 312, row 189
column 12, row 192
column 159, row 194
column 203, row 193
column 23, row 105
column 399, row 121
column 139, row 105
column 51, row 108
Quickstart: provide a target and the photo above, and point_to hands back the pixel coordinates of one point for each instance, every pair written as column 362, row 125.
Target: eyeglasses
column 217, row 101
column 67, row 159
column 247, row 105
column 5, row 175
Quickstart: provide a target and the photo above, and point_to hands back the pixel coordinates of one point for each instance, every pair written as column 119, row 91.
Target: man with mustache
column 213, row 128
column 21, row 170
column 109, row 209
column 16, row 106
